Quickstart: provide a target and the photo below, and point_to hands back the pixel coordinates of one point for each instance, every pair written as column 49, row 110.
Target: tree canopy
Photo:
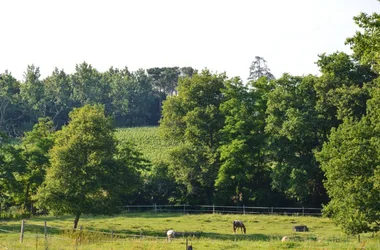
column 350, row 160
column 88, row 172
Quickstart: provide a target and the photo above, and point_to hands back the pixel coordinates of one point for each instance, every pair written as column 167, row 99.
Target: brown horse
column 238, row 223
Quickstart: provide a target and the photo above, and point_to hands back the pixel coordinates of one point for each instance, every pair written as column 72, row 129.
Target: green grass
column 148, row 141
column 212, row 232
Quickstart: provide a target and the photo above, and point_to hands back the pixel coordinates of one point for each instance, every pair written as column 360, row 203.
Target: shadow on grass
column 197, row 234
column 30, row 228
column 236, row 237
column 149, row 215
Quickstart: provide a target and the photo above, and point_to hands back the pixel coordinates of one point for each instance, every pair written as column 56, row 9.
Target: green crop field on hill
column 148, row 141
column 203, row 231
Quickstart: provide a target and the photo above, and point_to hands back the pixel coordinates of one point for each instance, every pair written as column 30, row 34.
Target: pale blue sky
column 217, row 34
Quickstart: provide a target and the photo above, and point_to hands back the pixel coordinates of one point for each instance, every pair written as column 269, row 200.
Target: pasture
column 210, row 231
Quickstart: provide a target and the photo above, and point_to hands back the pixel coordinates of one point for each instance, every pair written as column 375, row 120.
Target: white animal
column 170, row 234
column 285, row 238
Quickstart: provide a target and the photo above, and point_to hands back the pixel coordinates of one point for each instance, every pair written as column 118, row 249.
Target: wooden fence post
column 22, row 231
column 184, row 208
column 213, row 209
column 45, row 232
column 36, row 241
column 80, row 234
column 243, row 209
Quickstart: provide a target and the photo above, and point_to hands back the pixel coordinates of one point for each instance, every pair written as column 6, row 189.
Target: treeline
column 256, row 143
column 132, row 98
column 295, row 140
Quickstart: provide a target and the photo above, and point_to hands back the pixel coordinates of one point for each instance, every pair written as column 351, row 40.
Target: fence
column 225, row 209
column 41, row 236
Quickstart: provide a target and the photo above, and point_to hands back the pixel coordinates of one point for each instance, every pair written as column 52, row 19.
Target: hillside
column 148, row 141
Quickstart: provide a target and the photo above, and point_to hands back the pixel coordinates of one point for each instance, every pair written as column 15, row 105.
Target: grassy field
column 212, row 231
column 147, row 141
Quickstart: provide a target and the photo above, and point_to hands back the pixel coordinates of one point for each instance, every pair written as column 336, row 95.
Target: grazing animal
column 301, row 228
column 285, row 238
column 170, row 234
column 238, row 223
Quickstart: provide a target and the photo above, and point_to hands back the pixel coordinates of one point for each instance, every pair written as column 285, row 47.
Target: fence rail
column 304, row 211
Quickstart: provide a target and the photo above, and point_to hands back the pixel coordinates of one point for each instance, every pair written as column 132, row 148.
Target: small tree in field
column 89, row 172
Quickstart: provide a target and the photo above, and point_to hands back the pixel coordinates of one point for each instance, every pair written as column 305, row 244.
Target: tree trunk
column 26, row 198
column 76, row 220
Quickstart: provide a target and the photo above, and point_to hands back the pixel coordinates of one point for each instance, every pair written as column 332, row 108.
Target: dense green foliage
column 132, row 98
column 89, row 172
column 243, row 175
column 295, row 140
column 351, row 160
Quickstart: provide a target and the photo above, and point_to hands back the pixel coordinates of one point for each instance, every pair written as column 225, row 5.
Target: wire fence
column 212, row 209
column 42, row 236
column 39, row 235
column 36, row 236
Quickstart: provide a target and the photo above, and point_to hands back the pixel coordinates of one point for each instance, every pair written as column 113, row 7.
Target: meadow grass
column 204, row 231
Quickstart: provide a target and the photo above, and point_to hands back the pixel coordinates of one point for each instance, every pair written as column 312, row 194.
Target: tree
column 10, row 164
column 58, row 95
column 350, row 160
column 87, row 85
column 243, row 176
column 193, row 116
column 259, row 69
column 193, row 172
column 32, row 93
column 342, row 89
column 365, row 43
column 118, row 81
column 165, row 79
column 34, row 150
column 11, row 112
column 293, row 127
column 144, row 104
column 89, row 171
column 159, row 186
column 187, row 71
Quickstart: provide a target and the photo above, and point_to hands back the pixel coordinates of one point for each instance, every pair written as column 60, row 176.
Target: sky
column 221, row 35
